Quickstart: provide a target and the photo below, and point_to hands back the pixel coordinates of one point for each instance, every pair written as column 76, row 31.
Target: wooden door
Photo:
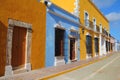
column 18, row 46
column 72, row 49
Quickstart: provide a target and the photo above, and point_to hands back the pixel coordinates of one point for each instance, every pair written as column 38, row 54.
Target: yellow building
column 22, row 31
column 94, row 29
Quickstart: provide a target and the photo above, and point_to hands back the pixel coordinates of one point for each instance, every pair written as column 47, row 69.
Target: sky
column 111, row 10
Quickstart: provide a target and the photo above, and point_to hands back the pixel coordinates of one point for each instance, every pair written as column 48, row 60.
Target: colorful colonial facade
column 36, row 34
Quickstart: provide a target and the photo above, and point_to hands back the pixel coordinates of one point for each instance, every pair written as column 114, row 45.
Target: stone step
column 19, row 71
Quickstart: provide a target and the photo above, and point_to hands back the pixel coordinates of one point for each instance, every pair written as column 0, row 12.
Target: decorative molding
column 88, row 34
column 87, row 13
column 13, row 23
column 73, row 29
column 95, row 36
column 59, row 26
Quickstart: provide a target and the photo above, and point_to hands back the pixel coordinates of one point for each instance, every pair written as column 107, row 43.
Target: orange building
column 22, row 35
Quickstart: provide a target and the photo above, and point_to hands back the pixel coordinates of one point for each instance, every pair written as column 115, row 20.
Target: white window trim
column 85, row 18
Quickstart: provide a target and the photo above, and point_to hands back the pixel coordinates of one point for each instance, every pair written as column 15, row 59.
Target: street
column 106, row 69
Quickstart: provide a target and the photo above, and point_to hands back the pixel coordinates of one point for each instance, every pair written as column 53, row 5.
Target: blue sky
column 111, row 9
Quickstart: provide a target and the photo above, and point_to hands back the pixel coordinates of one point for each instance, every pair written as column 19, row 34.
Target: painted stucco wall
column 68, row 5
column 93, row 12
column 52, row 20
column 29, row 11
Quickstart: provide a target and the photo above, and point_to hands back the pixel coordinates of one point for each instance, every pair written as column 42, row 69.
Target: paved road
column 107, row 69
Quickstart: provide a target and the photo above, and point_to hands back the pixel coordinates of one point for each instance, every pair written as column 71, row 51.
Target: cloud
column 104, row 3
column 113, row 16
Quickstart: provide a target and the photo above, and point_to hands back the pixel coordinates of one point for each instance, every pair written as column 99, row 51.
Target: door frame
column 75, row 48
column 97, row 53
column 11, row 24
column 87, row 54
column 76, row 42
column 56, row 61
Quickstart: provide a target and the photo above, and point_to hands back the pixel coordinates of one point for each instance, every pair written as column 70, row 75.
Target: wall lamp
column 83, row 30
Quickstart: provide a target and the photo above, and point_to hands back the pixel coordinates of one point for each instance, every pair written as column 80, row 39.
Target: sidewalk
column 45, row 73
column 105, row 69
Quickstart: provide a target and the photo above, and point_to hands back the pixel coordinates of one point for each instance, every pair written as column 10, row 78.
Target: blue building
column 62, row 36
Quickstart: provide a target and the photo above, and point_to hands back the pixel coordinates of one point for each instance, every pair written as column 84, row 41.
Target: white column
column 116, row 45
column 94, row 24
column 104, row 46
column 100, row 41
column 100, row 45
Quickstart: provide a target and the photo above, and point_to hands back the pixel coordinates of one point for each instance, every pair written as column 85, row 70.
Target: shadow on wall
column 3, row 38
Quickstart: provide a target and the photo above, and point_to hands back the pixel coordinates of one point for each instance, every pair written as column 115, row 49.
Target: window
column 94, row 24
column 86, row 19
column 100, row 28
column 97, row 28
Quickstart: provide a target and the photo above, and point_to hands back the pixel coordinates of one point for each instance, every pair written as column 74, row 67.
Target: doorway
column 59, row 46
column 107, row 46
column 72, row 49
column 96, row 46
column 89, row 45
column 18, row 47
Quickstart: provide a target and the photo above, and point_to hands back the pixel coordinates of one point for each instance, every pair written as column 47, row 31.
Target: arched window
column 86, row 19
column 94, row 24
column 100, row 28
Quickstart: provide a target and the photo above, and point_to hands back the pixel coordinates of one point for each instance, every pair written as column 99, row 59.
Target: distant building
column 117, row 45
column 112, row 44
